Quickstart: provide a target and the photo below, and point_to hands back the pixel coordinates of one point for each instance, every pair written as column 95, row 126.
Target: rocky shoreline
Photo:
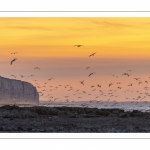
column 14, row 119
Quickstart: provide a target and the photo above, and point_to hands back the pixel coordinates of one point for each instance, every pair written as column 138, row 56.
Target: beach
column 14, row 119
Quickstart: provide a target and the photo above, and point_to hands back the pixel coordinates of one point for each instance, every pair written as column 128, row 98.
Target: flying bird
column 22, row 76
column 14, row 53
column 136, row 78
column 37, row 68
column 13, row 76
column 78, row 45
column 31, row 75
column 92, row 54
column 50, row 78
column 87, row 67
column 125, row 74
column 119, row 87
column 118, row 82
column 13, row 60
column 82, row 82
column 110, row 84
column 99, row 85
column 91, row 74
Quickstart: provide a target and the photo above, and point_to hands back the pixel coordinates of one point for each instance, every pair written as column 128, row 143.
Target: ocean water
column 127, row 106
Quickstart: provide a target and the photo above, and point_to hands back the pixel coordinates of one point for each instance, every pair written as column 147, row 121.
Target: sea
column 126, row 106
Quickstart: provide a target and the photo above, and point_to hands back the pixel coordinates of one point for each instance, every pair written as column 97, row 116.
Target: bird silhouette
column 13, row 60
column 99, row 85
column 37, row 68
column 110, row 84
column 82, row 82
column 92, row 54
column 13, row 76
column 22, row 76
column 91, row 74
column 87, row 67
column 50, row 78
column 136, row 78
column 14, row 53
column 125, row 74
column 78, row 45
column 31, row 75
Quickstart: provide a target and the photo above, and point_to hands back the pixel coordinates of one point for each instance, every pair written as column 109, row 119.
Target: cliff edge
column 17, row 92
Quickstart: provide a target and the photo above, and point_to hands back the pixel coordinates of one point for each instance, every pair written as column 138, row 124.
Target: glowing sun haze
column 120, row 44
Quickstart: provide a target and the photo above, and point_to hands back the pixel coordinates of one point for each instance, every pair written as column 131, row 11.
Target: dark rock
column 8, row 107
column 1, row 129
column 123, row 115
column 20, row 128
column 29, row 129
column 104, row 113
column 80, row 111
column 28, row 114
column 73, row 116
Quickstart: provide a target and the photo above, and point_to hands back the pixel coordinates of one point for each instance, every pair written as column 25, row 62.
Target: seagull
column 125, row 74
column 13, row 60
column 78, row 45
column 87, row 67
column 31, row 75
column 99, row 85
column 51, row 78
column 22, row 76
column 84, row 92
column 13, row 76
column 110, row 84
column 82, row 82
column 37, row 68
column 92, row 54
column 14, row 53
column 66, row 96
column 91, row 73
column 56, row 99
column 136, row 78
column 119, row 87
column 118, row 82
column 113, row 75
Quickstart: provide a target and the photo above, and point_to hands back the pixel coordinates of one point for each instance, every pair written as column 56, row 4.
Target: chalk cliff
column 17, row 92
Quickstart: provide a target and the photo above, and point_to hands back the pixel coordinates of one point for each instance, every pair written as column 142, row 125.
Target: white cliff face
column 17, row 91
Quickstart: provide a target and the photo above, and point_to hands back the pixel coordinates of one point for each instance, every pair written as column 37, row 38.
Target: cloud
column 111, row 24
column 29, row 27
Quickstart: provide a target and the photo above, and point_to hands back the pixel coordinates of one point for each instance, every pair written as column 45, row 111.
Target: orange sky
column 110, row 37
column 119, row 43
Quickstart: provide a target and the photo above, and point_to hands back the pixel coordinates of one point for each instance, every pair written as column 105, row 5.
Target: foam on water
column 144, row 107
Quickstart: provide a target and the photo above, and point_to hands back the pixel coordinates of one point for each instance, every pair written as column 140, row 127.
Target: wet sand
column 14, row 119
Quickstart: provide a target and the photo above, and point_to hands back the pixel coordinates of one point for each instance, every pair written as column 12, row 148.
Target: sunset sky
column 120, row 44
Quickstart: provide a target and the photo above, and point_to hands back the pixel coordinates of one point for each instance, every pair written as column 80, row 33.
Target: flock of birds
column 102, row 97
